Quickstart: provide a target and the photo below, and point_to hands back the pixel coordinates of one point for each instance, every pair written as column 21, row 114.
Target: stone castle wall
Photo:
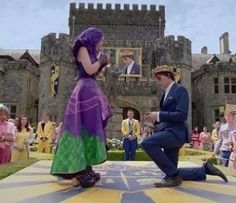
column 204, row 98
column 56, row 51
column 20, row 87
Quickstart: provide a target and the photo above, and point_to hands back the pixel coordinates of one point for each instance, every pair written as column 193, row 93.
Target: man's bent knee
column 145, row 145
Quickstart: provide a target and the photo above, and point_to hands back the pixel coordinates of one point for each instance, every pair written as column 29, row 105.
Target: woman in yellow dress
column 24, row 135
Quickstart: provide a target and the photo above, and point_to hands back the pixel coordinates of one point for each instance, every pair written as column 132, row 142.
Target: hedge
column 116, row 155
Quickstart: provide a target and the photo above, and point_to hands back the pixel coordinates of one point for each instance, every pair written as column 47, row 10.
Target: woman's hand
column 103, row 59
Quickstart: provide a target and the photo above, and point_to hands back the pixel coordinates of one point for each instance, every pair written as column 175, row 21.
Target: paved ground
column 122, row 182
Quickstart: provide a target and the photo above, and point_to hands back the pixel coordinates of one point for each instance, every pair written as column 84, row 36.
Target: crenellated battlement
column 173, row 51
column 62, row 37
column 170, row 41
column 116, row 15
column 55, row 47
column 114, row 7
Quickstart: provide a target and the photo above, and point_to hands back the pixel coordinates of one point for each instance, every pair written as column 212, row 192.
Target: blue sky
column 24, row 22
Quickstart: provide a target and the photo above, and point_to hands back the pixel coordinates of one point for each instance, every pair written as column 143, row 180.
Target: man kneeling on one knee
column 163, row 147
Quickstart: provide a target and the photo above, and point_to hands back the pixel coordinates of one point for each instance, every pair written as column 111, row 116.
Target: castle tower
column 57, row 75
column 177, row 53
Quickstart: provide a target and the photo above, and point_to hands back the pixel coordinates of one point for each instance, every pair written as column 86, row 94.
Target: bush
column 34, row 148
column 212, row 160
column 194, row 152
column 114, row 144
column 118, row 155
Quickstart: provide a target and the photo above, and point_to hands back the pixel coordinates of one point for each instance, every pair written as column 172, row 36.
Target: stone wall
column 204, row 98
column 56, row 52
column 20, row 87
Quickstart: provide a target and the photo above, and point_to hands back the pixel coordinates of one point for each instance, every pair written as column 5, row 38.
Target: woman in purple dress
column 83, row 140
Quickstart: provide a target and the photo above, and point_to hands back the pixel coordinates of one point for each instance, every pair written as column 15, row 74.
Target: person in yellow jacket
column 44, row 134
column 24, row 136
column 130, row 129
column 215, row 134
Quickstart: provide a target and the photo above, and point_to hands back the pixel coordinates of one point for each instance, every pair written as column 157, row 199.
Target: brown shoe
column 169, row 182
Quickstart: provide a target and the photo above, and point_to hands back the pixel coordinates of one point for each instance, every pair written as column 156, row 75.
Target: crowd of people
column 16, row 136
column 220, row 141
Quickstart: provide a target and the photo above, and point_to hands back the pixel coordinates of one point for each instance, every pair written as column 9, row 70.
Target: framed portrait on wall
column 129, row 60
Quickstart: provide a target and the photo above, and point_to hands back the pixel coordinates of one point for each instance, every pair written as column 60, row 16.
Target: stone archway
column 140, row 105
column 125, row 105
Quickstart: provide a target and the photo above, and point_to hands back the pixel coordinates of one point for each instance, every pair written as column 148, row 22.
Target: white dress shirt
column 167, row 90
column 130, row 67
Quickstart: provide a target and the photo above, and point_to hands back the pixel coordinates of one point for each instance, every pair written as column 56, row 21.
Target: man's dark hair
column 168, row 74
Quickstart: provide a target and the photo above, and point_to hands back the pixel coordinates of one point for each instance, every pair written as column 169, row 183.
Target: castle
column 140, row 29
column 123, row 28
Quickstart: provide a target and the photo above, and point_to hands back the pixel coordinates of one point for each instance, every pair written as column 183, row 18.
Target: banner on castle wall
column 177, row 73
column 54, row 83
column 129, row 60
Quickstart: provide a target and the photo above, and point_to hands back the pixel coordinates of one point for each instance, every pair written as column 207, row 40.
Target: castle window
column 216, row 85
column 217, row 114
column 226, row 85
column 230, row 85
column 12, row 109
column 233, row 85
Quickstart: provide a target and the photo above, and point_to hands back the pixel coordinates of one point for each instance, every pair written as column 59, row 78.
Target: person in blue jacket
column 163, row 147
column 131, row 67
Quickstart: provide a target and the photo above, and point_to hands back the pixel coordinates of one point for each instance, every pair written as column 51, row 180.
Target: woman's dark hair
column 19, row 127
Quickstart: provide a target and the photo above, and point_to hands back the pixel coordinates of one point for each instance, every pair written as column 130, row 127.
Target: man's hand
column 152, row 116
column 43, row 139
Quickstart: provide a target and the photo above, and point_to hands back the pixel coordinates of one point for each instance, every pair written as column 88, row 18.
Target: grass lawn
column 8, row 169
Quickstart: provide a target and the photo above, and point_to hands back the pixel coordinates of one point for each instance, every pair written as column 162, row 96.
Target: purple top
column 82, row 73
